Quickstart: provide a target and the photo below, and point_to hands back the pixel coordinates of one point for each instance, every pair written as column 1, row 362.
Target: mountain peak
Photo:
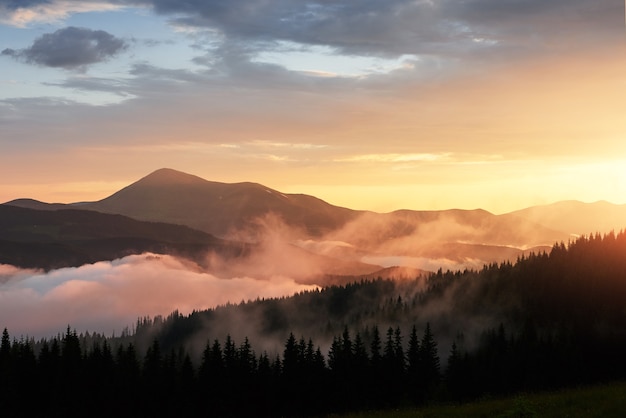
column 168, row 176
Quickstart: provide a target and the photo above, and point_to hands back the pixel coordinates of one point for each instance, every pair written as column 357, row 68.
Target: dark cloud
column 365, row 27
column 556, row 24
column 493, row 29
column 21, row 4
column 70, row 48
column 396, row 27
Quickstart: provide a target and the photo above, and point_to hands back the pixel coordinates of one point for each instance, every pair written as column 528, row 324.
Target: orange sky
column 514, row 106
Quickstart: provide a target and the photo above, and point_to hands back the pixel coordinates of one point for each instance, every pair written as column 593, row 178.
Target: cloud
column 390, row 28
column 544, row 92
column 70, row 48
column 397, row 27
column 21, row 13
column 396, row 158
column 446, row 29
column 107, row 296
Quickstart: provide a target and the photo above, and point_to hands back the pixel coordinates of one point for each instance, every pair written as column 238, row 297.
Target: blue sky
column 369, row 104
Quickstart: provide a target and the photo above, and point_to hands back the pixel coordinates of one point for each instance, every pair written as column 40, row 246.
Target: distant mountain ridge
column 246, row 211
column 576, row 217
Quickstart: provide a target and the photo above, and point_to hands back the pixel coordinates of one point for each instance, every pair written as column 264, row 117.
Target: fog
column 423, row 263
column 108, row 296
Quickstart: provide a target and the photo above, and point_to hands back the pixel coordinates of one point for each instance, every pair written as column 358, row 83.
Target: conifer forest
column 550, row 320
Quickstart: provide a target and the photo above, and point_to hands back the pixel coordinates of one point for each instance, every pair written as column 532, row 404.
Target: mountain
column 407, row 230
column 578, row 218
column 425, row 240
column 49, row 239
column 38, row 205
column 241, row 209
column 218, row 208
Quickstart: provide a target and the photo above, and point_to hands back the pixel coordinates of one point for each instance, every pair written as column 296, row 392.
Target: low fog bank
column 429, row 241
column 108, row 296
column 9, row 273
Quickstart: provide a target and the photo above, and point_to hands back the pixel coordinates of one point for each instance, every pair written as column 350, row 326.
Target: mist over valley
column 172, row 233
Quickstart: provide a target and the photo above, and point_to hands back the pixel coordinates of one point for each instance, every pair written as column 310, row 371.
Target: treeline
column 547, row 321
column 66, row 379
column 391, row 370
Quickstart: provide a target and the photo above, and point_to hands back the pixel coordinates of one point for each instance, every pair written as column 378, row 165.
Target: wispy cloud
column 270, row 144
column 23, row 13
column 396, row 158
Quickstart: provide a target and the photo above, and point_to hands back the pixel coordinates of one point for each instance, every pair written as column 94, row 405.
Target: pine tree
column 455, row 375
column 413, row 354
column 264, row 368
column 230, row 355
column 398, row 351
column 389, row 352
column 377, row 384
column 153, row 363
column 5, row 362
column 334, row 355
column 375, row 347
column 70, row 348
column 247, row 358
column 429, row 359
column 290, row 365
column 361, row 359
column 5, row 347
column 346, row 347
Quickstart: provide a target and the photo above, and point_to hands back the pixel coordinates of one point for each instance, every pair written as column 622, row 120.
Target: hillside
column 578, row 218
column 581, row 285
column 70, row 238
column 50, row 239
column 218, row 208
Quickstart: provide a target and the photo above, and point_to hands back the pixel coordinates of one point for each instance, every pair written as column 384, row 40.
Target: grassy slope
column 598, row 401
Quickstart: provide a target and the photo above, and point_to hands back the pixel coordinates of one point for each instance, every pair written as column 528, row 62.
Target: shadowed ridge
column 36, row 204
column 48, row 239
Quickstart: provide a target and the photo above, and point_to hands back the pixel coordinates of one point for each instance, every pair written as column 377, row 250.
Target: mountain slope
column 69, row 238
column 577, row 218
column 249, row 212
column 409, row 230
column 51, row 239
column 38, row 205
column 245, row 210
column 218, row 208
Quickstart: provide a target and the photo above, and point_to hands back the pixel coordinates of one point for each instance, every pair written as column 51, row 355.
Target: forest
column 547, row 321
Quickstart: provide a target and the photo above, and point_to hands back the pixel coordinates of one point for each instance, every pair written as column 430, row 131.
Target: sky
column 368, row 104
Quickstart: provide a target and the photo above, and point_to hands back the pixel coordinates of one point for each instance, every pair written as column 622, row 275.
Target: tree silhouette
column 429, row 361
